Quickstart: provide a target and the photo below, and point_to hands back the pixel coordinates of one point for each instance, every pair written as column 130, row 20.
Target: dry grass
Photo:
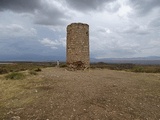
column 55, row 93
column 14, row 95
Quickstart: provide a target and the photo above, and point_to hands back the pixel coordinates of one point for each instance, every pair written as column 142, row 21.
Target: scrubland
column 46, row 92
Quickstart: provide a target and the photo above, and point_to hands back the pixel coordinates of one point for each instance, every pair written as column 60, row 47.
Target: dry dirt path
column 58, row 94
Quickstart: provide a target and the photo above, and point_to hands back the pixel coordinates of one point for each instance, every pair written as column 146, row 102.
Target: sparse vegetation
column 103, row 65
column 3, row 71
column 63, row 65
column 103, row 94
column 37, row 70
column 15, row 76
column 128, row 67
column 32, row 72
column 16, row 67
column 146, row 69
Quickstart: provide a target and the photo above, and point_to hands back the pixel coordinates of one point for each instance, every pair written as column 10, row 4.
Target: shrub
column 32, row 72
column 15, row 76
column 37, row 70
column 63, row 65
column 157, row 70
column 138, row 69
column 3, row 71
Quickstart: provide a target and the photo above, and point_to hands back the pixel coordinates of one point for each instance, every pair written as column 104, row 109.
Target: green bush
column 15, row 76
column 138, row 69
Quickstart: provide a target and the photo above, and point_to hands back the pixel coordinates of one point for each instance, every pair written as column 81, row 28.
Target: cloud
column 112, row 6
column 114, row 48
column 107, row 43
column 155, row 23
column 31, row 48
column 51, row 13
column 15, row 30
column 53, row 44
column 15, row 46
column 118, row 28
column 48, row 12
column 124, row 10
column 20, row 5
column 88, row 5
column 143, row 7
column 103, row 30
column 136, row 29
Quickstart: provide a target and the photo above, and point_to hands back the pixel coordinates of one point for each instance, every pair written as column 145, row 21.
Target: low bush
column 15, row 76
column 23, row 66
column 146, row 69
column 157, row 70
column 33, row 72
column 3, row 71
column 63, row 65
column 138, row 69
column 112, row 66
column 37, row 70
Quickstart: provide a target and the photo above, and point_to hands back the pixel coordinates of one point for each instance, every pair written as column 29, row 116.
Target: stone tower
column 78, row 45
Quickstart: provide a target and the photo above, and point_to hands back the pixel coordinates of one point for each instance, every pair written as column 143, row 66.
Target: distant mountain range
column 134, row 58
column 48, row 58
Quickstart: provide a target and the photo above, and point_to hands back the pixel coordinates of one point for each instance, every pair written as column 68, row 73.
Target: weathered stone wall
column 78, row 45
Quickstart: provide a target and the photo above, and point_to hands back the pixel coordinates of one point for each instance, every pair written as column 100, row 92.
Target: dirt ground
column 96, row 94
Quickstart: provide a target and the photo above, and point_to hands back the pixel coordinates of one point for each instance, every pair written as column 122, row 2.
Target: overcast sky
column 118, row 28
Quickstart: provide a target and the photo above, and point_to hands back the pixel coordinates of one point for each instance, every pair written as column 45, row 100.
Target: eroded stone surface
column 78, row 45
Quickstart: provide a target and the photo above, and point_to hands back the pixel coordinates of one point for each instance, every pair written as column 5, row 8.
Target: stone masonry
column 78, row 46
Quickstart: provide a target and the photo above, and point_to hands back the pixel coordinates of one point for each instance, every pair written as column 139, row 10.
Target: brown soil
column 58, row 94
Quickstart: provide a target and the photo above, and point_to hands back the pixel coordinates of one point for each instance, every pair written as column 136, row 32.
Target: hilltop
column 55, row 93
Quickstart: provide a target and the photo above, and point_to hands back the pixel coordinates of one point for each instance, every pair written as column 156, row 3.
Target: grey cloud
column 85, row 5
column 144, row 6
column 117, row 52
column 123, row 52
column 42, row 12
column 155, row 23
column 53, row 44
column 136, row 29
column 101, row 30
column 26, row 46
column 50, row 15
column 126, row 50
column 14, row 30
column 20, row 5
column 113, row 7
